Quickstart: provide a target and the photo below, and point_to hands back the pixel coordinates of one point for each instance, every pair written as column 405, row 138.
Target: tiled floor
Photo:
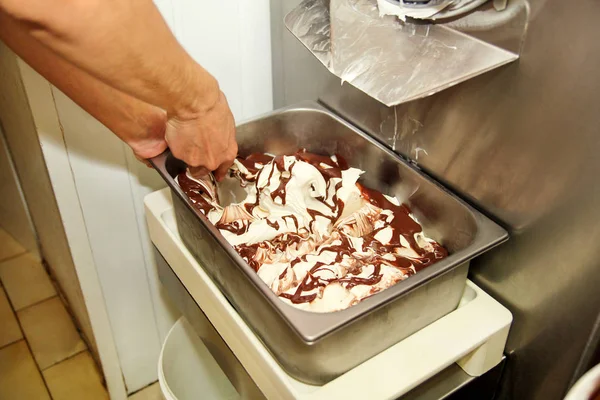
column 42, row 355
column 152, row 392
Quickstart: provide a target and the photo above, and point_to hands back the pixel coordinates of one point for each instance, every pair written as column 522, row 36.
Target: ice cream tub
column 317, row 347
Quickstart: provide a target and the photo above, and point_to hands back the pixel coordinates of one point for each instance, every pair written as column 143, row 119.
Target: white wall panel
column 208, row 30
column 99, row 165
column 255, row 61
column 144, row 180
column 83, row 291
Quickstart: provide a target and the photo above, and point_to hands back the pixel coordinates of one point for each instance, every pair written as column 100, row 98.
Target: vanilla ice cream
column 321, row 241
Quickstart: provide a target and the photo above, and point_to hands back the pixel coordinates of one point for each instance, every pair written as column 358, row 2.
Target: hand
column 205, row 141
column 151, row 123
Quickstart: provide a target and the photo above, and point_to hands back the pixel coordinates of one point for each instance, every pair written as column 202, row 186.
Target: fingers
column 198, row 172
column 221, row 172
column 206, row 141
column 197, row 143
column 230, row 155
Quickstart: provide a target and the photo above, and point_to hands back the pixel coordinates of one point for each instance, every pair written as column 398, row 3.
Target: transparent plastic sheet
column 390, row 60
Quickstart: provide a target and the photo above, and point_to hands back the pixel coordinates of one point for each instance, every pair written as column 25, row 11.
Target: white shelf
column 473, row 336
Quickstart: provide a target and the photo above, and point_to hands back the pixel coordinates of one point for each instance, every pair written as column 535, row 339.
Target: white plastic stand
column 186, row 368
column 473, row 336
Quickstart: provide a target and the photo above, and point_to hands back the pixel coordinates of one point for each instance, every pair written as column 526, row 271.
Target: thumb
column 198, row 172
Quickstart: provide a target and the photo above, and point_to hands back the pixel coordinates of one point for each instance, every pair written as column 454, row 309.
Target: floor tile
column 50, row 332
column 9, row 247
column 9, row 327
column 151, row 392
column 75, row 378
column 19, row 377
column 26, row 281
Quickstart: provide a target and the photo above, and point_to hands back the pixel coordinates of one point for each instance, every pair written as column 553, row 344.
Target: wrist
column 147, row 134
column 201, row 95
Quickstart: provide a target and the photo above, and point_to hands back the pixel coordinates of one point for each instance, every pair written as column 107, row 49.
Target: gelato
column 319, row 239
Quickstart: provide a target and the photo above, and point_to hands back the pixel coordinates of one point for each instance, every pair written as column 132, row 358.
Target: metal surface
column 233, row 369
column 391, row 61
column 313, row 346
column 522, row 143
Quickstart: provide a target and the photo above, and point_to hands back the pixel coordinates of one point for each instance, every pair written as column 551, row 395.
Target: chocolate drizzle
column 308, row 284
column 283, row 180
column 251, row 163
column 248, row 253
column 341, row 250
column 294, row 220
column 402, row 225
column 349, row 258
column 236, row 227
column 195, row 193
column 274, row 225
column 372, row 280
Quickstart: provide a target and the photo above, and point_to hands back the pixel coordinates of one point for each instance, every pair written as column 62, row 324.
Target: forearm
column 124, row 43
column 134, row 121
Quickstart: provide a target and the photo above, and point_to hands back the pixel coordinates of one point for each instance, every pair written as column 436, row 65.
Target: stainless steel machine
column 497, row 101
column 518, row 141
column 313, row 347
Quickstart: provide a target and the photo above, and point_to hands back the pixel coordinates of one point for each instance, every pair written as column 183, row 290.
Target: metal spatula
column 228, row 191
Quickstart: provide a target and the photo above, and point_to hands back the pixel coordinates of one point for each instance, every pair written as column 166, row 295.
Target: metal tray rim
column 316, row 326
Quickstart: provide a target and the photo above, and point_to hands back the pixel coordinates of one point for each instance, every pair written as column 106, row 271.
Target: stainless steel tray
column 313, row 347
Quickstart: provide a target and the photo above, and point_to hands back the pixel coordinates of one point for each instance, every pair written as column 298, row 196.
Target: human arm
column 127, row 45
column 139, row 124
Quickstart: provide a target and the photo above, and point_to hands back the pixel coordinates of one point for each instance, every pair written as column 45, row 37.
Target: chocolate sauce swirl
column 343, row 259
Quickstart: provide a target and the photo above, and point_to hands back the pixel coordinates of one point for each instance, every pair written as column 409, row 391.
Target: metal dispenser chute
column 397, row 61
